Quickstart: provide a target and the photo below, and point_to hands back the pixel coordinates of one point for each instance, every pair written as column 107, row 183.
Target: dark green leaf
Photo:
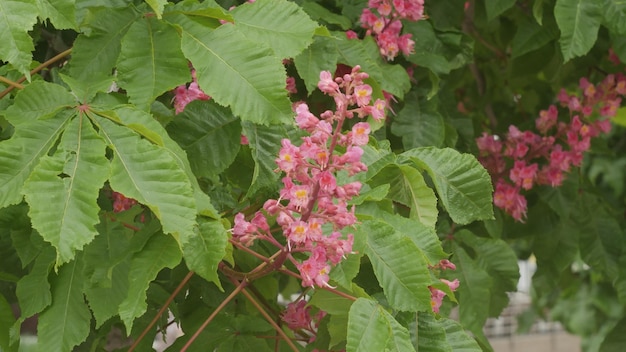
column 419, row 123
column 206, row 249
column 579, row 21
column 496, row 7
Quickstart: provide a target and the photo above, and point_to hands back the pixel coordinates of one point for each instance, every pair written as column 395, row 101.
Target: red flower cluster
column 313, row 206
column 186, row 94
column 121, row 203
column 437, row 295
column 525, row 158
column 298, row 317
column 386, row 26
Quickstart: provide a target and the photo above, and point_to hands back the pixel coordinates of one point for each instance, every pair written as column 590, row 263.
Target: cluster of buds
column 312, row 208
column 526, row 158
column 384, row 23
column 437, row 295
column 298, row 318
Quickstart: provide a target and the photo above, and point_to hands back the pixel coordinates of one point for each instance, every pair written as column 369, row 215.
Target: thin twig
column 161, row 311
column 11, row 83
column 240, row 286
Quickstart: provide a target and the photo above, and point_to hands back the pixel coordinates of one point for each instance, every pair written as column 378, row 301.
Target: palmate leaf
column 71, row 179
column 97, row 50
column 210, row 135
column 280, row 24
column 148, row 173
column 399, row 266
column 151, row 61
column 205, row 251
column 17, row 17
column 66, row 322
column 62, row 13
column 160, row 252
column 38, row 100
column 372, row 328
column 20, row 154
column 238, row 73
column 464, row 186
column 579, row 22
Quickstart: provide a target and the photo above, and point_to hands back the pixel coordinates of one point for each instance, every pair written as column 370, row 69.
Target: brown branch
column 10, row 83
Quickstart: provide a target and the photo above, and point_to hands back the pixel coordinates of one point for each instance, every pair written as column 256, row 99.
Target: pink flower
column 297, row 316
column 360, row 133
column 290, row 85
column 327, row 84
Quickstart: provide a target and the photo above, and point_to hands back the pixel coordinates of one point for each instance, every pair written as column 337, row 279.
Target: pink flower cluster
column 437, row 295
column 121, row 203
column 385, row 24
column 525, row 158
column 184, row 94
column 298, row 317
column 313, row 206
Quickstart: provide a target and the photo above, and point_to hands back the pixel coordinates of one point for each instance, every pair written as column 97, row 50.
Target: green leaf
column 265, row 144
column 615, row 340
column 86, row 90
column 96, row 51
column 210, row 135
column 160, row 252
column 344, row 272
column 371, row 328
column 33, row 290
column 464, row 186
column 320, row 13
column 66, row 323
column 321, row 55
column 38, row 100
column 423, row 236
column 71, row 179
column 419, row 123
column 205, row 251
column 614, row 13
column 62, row 13
column 282, row 25
column 496, row 7
column 20, row 154
column 409, row 188
column 147, row 173
column 579, row 21
column 6, row 321
column 17, row 17
column 157, row 6
column 531, row 36
column 104, row 301
column 443, row 334
column 151, row 62
column 401, row 270
column 239, row 73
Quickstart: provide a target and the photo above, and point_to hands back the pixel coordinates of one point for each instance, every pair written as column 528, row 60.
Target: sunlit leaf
column 18, row 17
column 579, row 22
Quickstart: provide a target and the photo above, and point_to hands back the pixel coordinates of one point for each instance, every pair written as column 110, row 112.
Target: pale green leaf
column 17, row 17
column 400, row 340
column 20, row 154
column 210, row 135
column 157, row 6
column 367, row 327
column 321, row 55
column 85, row 90
column 207, row 10
column 265, row 144
column 239, row 73
column 579, row 22
column 496, row 7
column 33, row 290
column 151, row 62
column 160, row 252
column 464, row 186
column 97, row 49
column 38, row 100
column 419, row 123
column 149, row 174
column 66, row 323
column 71, row 179
column 282, row 25
column 409, row 188
column 401, row 270
column 62, row 13
column 423, row 236
column 205, row 251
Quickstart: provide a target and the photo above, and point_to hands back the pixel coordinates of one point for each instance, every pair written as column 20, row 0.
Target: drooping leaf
column 72, row 179
column 496, row 7
column 463, row 185
column 66, row 322
column 20, row 154
column 399, row 266
column 60, row 12
column 265, row 144
column 238, row 73
column 160, row 252
column 38, row 100
column 205, row 251
column 18, row 17
column 579, row 22
column 96, row 51
column 157, row 6
column 319, row 56
column 150, row 62
column 281, row 25
column 409, row 188
column 148, row 173
column 210, row 135
column 419, row 123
